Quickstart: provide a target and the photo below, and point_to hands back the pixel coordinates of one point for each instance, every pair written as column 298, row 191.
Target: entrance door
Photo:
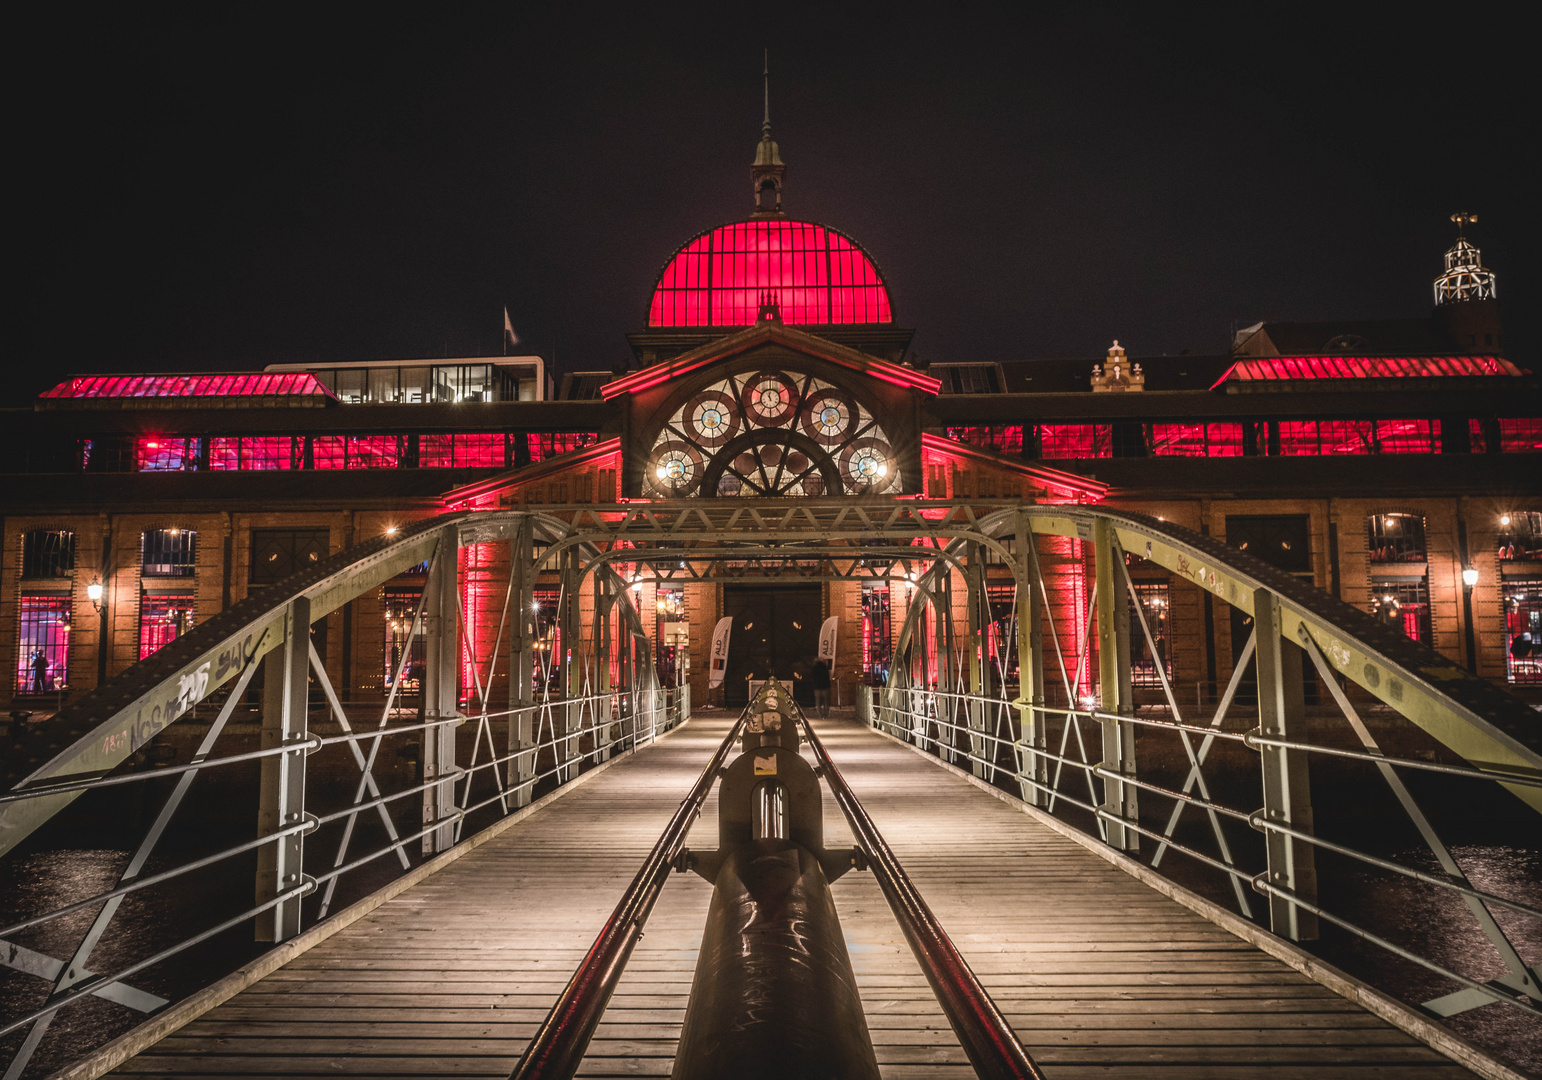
column 776, row 633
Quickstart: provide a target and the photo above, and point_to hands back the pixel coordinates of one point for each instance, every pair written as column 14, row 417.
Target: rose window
column 771, row 433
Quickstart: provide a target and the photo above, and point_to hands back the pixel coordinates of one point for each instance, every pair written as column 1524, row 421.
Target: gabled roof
column 761, row 333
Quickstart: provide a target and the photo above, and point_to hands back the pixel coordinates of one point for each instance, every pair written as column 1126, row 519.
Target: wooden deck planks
column 1100, row 975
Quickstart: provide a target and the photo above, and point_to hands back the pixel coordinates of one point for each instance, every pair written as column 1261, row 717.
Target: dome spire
column 1466, row 278
column 768, row 171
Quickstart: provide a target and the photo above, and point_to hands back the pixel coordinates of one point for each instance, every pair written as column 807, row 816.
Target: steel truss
column 948, row 692
column 948, row 697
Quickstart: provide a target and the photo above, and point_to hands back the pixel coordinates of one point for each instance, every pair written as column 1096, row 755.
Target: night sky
column 232, row 187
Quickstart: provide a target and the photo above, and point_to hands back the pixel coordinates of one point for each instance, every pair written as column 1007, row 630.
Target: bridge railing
column 448, row 802
column 1037, row 700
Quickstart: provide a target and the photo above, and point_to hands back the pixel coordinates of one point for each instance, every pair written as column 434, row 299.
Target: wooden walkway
column 1100, row 975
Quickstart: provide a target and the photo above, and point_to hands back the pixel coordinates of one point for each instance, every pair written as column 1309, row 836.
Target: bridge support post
column 604, row 600
column 1119, row 798
column 441, row 683
column 1287, row 794
column 977, row 617
column 521, row 765
column 281, row 801
column 571, row 712
column 1032, row 766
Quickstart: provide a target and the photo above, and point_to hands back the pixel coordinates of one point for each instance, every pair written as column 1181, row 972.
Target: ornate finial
column 1465, row 277
column 767, row 171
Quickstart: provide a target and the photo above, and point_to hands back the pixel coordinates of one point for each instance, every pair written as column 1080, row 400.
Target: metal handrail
column 1258, row 882
column 1250, row 739
column 993, row 1047
column 1253, row 819
column 559, row 1045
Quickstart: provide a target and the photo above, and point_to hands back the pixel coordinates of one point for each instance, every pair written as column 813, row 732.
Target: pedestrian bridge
column 1042, row 858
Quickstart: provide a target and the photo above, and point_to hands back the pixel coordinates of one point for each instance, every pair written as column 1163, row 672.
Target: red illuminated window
column 1523, row 629
column 461, row 451
column 356, row 451
column 373, row 452
column 1195, row 440
column 262, row 452
column 814, row 274
column 1224, row 440
column 1298, row 437
column 43, row 644
column 1075, row 441
column 1405, row 437
column 545, row 445
column 1347, row 436
column 161, row 453
column 1006, row 439
column 163, row 619
column 224, row 455
column 327, row 452
column 1520, row 436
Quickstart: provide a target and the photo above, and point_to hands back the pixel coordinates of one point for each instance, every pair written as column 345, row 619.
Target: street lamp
column 94, row 593
column 1469, row 576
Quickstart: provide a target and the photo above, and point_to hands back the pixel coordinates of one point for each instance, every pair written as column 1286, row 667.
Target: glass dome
column 814, row 274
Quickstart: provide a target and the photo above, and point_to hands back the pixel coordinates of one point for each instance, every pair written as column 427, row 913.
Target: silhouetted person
column 39, row 672
column 819, row 680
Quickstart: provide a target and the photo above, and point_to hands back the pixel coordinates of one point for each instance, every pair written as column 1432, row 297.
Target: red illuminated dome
column 813, row 273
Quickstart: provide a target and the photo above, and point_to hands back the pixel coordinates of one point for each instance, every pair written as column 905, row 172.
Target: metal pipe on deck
column 993, row 1047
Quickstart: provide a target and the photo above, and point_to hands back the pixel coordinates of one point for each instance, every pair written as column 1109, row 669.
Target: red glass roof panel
column 814, row 274
column 240, row 384
column 1364, row 367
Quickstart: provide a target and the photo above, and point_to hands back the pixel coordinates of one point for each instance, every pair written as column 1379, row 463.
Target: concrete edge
column 140, row 1038
column 1434, row 1035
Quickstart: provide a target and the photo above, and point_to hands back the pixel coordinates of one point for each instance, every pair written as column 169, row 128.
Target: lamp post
column 1469, row 582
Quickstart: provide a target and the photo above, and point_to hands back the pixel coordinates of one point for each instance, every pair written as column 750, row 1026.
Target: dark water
column 1495, row 838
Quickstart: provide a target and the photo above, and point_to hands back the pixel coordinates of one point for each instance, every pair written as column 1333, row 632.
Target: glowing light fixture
column 1469, row 576
column 1504, row 519
column 94, row 593
column 391, row 530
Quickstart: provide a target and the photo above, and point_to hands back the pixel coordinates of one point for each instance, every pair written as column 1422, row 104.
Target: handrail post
column 441, row 681
column 571, row 711
column 521, row 766
column 605, row 710
column 1287, row 792
column 1119, row 798
column 1032, row 766
column 281, row 799
column 977, row 618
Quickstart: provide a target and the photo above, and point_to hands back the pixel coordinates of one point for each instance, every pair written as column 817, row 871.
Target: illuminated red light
column 812, row 273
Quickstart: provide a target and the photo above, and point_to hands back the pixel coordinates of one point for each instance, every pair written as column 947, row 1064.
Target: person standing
column 39, row 672
column 819, row 681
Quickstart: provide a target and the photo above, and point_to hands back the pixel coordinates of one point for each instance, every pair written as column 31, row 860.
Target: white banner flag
column 827, row 641
column 717, row 666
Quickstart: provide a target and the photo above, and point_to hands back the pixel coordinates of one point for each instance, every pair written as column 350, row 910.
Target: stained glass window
column 794, row 435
